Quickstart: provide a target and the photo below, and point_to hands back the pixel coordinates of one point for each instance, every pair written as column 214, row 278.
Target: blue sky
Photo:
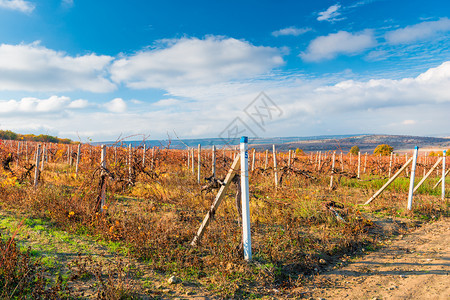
column 103, row 69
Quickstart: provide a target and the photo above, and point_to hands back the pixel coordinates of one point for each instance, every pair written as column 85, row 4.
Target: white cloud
column 310, row 107
column 80, row 103
column 189, row 61
column 342, row 42
column 116, row 105
column 330, row 14
column 291, row 31
column 409, row 122
column 67, row 3
column 35, row 68
column 421, row 31
column 19, row 5
column 167, row 102
column 52, row 104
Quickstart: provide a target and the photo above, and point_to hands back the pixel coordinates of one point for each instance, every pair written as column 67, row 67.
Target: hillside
column 366, row 143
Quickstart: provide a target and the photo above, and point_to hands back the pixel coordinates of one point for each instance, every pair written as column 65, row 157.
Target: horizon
column 97, row 71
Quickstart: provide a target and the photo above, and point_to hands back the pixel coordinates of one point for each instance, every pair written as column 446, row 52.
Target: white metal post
column 444, row 153
column 246, row 234
column 411, row 181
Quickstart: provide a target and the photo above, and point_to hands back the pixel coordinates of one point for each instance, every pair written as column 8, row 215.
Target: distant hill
column 218, row 142
column 366, row 143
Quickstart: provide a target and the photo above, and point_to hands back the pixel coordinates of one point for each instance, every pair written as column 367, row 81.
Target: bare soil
column 411, row 266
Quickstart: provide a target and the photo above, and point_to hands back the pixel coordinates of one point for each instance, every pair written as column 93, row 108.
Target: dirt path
column 413, row 266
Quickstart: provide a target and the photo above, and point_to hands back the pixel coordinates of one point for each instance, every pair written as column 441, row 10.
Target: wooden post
column 43, row 158
column 253, row 159
column 214, row 161
column 266, row 160
column 68, row 154
column 289, row 159
column 153, row 157
column 275, row 166
column 444, row 154
column 199, row 164
column 359, row 164
column 389, row 181
column 411, row 180
column 219, row 197
column 192, row 161
column 26, row 151
column 78, row 158
column 365, row 163
column 342, row 161
column 332, row 169
column 103, row 168
column 406, row 158
column 130, row 162
column 144, row 149
column 428, row 174
column 36, row 171
column 188, row 159
column 390, row 164
column 320, row 156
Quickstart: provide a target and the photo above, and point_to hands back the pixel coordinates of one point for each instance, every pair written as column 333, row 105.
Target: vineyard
column 145, row 205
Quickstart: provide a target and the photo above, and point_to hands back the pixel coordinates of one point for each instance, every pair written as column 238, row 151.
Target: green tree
column 383, row 149
column 354, row 150
column 299, row 152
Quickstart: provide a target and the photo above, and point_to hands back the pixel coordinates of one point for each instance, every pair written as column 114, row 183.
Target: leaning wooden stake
column 440, row 179
column 428, row 174
column 219, row 197
column 389, row 181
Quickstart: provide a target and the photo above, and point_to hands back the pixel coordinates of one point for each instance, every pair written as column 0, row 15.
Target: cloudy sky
column 103, row 69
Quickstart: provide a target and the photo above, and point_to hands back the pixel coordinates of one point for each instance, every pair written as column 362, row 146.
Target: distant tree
column 299, row 152
column 354, row 150
column 8, row 135
column 383, row 149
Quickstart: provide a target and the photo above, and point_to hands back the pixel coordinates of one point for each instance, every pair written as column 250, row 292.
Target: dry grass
column 156, row 211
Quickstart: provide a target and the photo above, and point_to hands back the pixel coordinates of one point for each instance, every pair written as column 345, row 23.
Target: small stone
column 403, row 276
column 174, row 280
column 322, row 261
